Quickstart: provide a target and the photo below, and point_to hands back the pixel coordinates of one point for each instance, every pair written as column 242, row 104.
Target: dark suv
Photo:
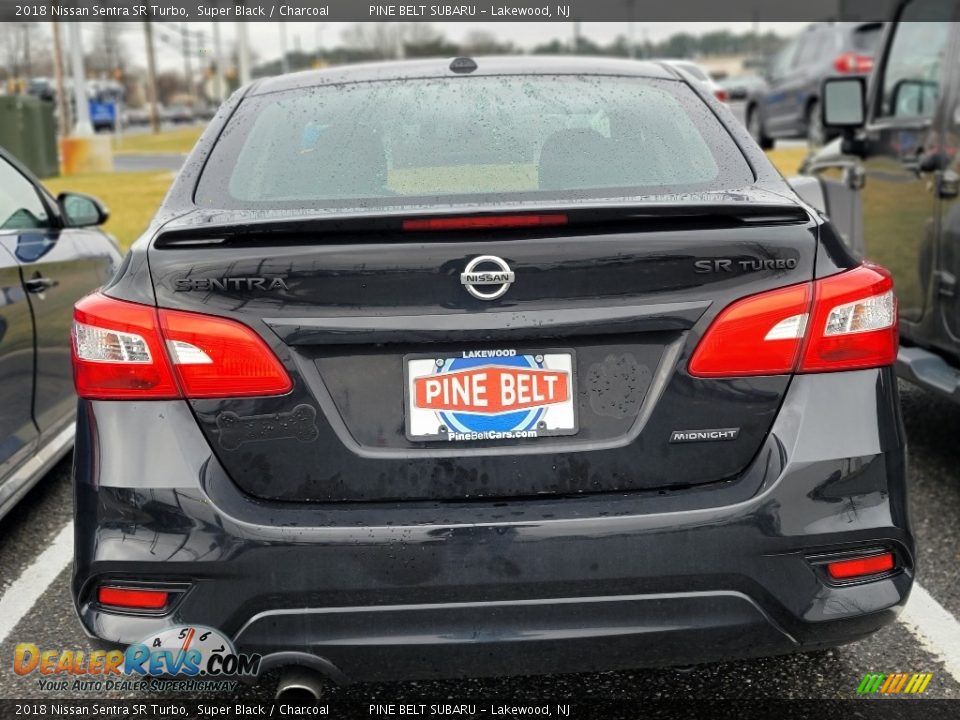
column 506, row 365
column 893, row 193
column 790, row 105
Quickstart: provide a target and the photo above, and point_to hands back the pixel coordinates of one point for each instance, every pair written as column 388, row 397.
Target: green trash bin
column 28, row 131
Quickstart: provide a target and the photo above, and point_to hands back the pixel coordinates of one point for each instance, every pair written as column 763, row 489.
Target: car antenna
column 463, row 65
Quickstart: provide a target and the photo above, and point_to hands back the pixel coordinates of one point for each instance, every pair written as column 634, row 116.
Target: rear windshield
column 489, row 139
column 866, row 38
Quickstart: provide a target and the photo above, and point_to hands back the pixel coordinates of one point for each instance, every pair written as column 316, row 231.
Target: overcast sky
column 265, row 37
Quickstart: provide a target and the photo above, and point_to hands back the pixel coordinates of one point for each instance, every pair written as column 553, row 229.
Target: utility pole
column 219, row 86
column 756, row 35
column 62, row 105
column 82, row 128
column 284, row 62
column 243, row 53
column 26, row 51
column 187, row 68
column 318, row 41
column 576, row 37
column 152, row 77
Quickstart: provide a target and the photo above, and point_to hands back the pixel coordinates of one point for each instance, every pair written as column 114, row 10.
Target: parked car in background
column 42, row 88
column 177, row 114
column 743, row 88
column 372, row 409
column 790, row 106
column 891, row 184
column 743, row 91
column 699, row 75
column 134, row 117
column 51, row 255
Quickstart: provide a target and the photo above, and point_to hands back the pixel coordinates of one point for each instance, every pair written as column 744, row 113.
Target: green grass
column 181, row 140
column 787, row 160
column 132, row 197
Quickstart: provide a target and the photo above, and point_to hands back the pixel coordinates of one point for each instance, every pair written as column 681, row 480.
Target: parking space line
column 33, row 582
column 934, row 627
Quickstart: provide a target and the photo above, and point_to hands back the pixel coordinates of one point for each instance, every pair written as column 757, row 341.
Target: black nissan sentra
column 492, row 366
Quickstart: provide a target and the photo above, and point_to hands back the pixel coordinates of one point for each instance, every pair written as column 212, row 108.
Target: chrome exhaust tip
column 300, row 684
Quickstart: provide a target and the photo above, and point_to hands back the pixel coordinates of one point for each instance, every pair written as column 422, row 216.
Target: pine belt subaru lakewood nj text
column 499, row 366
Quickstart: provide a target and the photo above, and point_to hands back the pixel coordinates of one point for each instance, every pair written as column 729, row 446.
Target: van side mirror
column 844, row 103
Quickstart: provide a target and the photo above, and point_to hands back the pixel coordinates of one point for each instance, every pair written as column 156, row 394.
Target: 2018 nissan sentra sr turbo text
column 487, row 367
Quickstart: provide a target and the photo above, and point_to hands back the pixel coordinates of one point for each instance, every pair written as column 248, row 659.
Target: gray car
column 790, row 105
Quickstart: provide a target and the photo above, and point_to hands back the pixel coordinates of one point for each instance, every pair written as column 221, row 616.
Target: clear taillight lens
column 101, row 345
column 873, row 313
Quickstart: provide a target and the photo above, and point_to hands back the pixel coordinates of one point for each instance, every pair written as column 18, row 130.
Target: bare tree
column 482, row 42
column 389, row 40
column 420, row 33
column 378, row 40
column 24, row 51
column 109, row 53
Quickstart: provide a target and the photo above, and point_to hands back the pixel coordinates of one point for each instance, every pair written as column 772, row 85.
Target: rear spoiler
column 451, row 226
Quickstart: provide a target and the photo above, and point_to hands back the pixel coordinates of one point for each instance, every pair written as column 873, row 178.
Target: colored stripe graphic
column 894, row 683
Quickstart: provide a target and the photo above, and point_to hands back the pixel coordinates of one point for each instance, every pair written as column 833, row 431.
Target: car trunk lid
column 365, row 315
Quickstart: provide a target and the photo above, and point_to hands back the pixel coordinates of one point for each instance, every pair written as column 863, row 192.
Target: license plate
column 490, row 395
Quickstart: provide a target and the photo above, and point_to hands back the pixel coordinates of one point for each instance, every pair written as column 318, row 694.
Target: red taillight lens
column 759, row 335
column 852, row 62
column 132, row 598
column 117, row 351
column 844, row 322
column 482, row 222
column 214, row 357
column 861, row 567
column 124, row 350
column 721, row 95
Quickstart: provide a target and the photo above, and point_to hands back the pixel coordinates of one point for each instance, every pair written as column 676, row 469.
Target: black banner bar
column 485, row 11
column 450, row 709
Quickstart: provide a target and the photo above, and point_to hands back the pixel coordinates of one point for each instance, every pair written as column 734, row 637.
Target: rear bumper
column 370, row 591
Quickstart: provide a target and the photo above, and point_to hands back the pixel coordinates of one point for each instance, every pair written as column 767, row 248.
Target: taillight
column 861, row 567
column 852, row 62
column 124, row 350
column 132, row 598
column 484, row 222
column 215, row 357
column 854, row 322
column 118, row 352
column 721, row 95
column 844, row 322
column 759, row 335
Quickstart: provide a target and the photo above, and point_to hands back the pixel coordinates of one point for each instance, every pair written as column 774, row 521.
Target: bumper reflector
column 132, row 598
column 860, row 567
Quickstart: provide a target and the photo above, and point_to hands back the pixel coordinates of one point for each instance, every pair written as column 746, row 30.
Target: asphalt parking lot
column 35, row 606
